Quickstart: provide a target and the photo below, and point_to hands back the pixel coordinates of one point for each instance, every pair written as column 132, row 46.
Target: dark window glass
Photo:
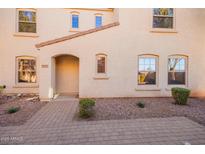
column 27, row 21
column 163, row 18
column 147, row 71
column 162, row 22
column 101, row 64
column 177, row 71
column 26, row 70
column 27, row 27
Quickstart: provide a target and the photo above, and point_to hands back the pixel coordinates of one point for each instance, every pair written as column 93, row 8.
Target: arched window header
column 148, row 55
column 103, row 54
column 178, row 55
column 26, row 9
column 26, row 57
column 98, row 14
column 74, row 12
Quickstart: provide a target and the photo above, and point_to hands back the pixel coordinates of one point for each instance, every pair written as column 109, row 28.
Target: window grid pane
column 163, row 12
column 75, row 21
column 98, row 21
column 177, row 71
column 27, row 16
column 163, row 18
column 147, row 71
column 177, row 64
column 100, row 64
column 27, row 21
column 27, row 71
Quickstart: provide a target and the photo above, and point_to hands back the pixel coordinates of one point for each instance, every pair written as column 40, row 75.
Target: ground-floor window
column 26, row 70
column 177, row 68
column 147, row 70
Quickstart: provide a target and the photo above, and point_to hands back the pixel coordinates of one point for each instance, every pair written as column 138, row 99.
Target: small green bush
column 140, row 105
column 2, row 88
column 13, row 110
column 86, row 108
column 180, row 95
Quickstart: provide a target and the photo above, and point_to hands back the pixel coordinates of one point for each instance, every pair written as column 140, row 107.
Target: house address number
column 44, row 66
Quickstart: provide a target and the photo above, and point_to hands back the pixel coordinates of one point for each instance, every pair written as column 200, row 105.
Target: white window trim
column 148, row 87
column 98, row 15
column 101, row 75
column 25, row 34
column 71, row 21
column 163, row 30
column 25, row 85
column 186, row 85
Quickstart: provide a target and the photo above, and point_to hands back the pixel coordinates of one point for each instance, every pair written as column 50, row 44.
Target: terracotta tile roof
column 69, row 37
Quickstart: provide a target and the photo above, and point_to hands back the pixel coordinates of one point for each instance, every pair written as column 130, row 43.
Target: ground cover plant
column 13, row 110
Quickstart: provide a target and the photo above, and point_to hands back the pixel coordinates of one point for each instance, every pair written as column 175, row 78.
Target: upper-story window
column 27, row 20
column 75, row 20
column 26, row 69
column 98, row 21
column 163, row 18
column 147, row 70
column 177, row 69
column 101, row 60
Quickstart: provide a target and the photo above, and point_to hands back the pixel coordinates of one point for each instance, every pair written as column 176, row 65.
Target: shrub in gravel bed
column 2, row 87
column 180, row 95
column 86, row 108
column 13, row 110
column 140, row 104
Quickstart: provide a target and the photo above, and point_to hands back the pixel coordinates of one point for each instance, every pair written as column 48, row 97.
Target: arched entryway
column 66, row 72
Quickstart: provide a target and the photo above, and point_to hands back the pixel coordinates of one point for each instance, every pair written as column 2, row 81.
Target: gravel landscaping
column 28, row 105
column 127, row 108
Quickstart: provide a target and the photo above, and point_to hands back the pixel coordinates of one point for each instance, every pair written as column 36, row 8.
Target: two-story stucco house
column 102, row 52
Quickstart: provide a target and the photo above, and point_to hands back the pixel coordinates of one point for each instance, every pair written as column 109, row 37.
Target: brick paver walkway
column 53, row 125
column 54, row 114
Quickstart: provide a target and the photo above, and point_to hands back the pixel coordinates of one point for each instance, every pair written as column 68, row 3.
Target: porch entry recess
column 66, row 75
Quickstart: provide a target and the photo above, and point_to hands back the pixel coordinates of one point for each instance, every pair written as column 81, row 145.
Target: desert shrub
column 140, row 104
column 13, row 110
column 180, row 95
column 86, row 108
column 2, row 88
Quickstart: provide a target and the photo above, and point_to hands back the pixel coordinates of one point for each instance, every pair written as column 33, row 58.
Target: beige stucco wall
column 121, row 44
column 11, row 47
column 51, row 23
column 124, row 43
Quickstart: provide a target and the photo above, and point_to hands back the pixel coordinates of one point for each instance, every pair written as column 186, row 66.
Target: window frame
column 163, row 30
column 148, row 86
column 101, row 76
column 97, row 56
column 17, row 71
column 169, row 86
column 72, row 29
column 98, row 15
column 17, row 22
